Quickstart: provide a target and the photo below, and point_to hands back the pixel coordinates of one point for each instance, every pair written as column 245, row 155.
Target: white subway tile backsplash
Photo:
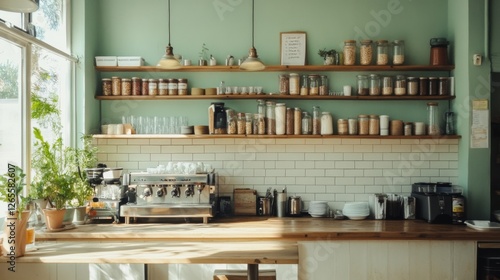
column 344, row 148
column 323, row 148
column 448, row 156
column 295, row 173
column 334, row 156
column 109, row 149
column 345, row 181
column 302, row 180
column 315, row 172
column 334, row 172
column 266, row 156
column 323, row 164
column 285, row 180
column 290, row 141
column 315, row 189
column 291, row 156
column 353, row 173
column 182, row 157
column 194, row 149
column 161, row 157
column 344, row 164
column 314, row 156
column 364, row 181
column 204, row 157
column 117, row 141
column 183, row 141
column 361, row 164
column 150, row 149
column 128, row 149
column 138, row 142
column 354, row 156
column 118, row 157
column 160, row 142
column 373, row 156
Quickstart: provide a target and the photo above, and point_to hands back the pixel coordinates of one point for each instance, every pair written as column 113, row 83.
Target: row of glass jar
column 295, row 84
column 401, row 85
column 139, row 86
column 366, row 52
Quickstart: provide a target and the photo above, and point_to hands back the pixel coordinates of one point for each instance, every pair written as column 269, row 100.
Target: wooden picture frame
column 293, row 48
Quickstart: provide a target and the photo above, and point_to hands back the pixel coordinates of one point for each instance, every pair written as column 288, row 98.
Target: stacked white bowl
column 318, row 208
column 356, row 210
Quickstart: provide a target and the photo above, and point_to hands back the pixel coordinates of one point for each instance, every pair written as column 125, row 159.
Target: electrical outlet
column 477, row 59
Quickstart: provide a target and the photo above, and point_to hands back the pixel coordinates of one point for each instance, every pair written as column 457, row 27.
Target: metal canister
column 294, row 205
column 264, row 208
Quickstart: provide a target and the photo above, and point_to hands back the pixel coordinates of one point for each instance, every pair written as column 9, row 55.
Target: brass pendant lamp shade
column 168, row 61
column 252, row 63
column 19, row 6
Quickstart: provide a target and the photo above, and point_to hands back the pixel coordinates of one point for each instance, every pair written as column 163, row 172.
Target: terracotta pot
column 80, row 215
column 14, row 236
column 54, row 218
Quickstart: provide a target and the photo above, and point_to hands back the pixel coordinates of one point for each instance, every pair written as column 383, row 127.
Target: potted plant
column 328, row 56
column 11, row 189
column 203, row 55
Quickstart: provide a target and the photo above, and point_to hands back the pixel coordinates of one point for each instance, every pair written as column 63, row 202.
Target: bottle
column 449, row 119
column 261, row 107
column 433, row 121
column 458, row 208
column 316, row 121
column 222, row 88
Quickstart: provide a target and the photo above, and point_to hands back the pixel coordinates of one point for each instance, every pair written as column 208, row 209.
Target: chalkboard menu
column 293, row 48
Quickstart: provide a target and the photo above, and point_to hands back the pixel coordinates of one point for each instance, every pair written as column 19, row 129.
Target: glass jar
column 116, row 88
column 449, row 121
column 316, row 121
column 400, row 85
column 343, row 126
column 259, row 126
column 231, row 119
column 313, row 84
column 363, row 125
column 408, row 129
column 382, row 52
column 374, row 84
column 107, row 87
column 423, row 87
column 261, row 107
column 323, row 85
column 444, row 86
column 326, row 123
column 433, row 121
column 153, row 87
column 284, row 84
column 280, row 111
column 182, row 86
column 173, row 87
column 136, row 86
column 241, row 123
column 294, row 84
column 433, row 86
column 297, row 121
column 366, row 52
column 271, row 118
column 387, row 86
column 289, row 121
column 353, row 126
column 363, row 88
column 412, row 86
column 126, row 86
column 162, row 86
column 374, row 125
column 349, row 52
column 306, row 123
column 304, row 85
column 439, row 51
column 398, row 53
column 145, row 87
column 249, row 123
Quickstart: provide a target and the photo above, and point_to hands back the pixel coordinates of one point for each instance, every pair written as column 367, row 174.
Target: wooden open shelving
column 239, row 136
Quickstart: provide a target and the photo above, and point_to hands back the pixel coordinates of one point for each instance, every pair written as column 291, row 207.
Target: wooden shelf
column 237, row 136
column 279, row 68
column 273, row 96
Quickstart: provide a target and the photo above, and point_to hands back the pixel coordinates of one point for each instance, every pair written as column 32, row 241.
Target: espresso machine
column 163, row 195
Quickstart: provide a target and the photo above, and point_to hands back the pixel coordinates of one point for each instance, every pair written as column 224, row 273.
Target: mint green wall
column 495, row 35
column 128, row 27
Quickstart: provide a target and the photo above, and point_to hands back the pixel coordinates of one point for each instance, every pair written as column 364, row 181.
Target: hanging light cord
column 169, row 22
column 253, row 18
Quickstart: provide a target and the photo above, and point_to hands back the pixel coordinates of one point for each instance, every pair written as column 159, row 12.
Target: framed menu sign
column 293, row 48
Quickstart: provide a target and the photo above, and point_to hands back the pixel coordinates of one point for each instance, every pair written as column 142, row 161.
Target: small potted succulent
column 328, row 56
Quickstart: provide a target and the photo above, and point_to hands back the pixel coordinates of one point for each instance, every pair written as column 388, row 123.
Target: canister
column 264, row 207
column 294, row 205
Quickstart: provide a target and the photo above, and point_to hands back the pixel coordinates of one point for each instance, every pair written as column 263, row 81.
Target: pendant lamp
column 19, row 6
column 168, row 61
column 252, row 63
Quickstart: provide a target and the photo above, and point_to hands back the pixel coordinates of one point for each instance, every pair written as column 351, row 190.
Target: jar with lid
column 444, row 86
column 173, row 87
column 382, row 52
column 249, row 123
column 387, row 86
column 259, row 126
column 433, row 121
column 326, row 123
column 408, row 129
column 439, row 51
column 284, row 84
column 423, row 87
column 306, row 123
column 241, row 123
column 297, row 121
column 398, row 52
column 294, row 84
column 316, row 121
column 412, row 86
column 363, row 125
column 136, row 86
column 289, row 121
column 232, row 119
column 107, row 87
column 261, row 107
column 323, row 85
column 153, row 87
column 433, row 86
column 126, row 86
column 271, row 117
column 374, row 125
column 116, row 86
column 363, row 88
column 349, row 52
column 182, row 86
column 280, row 118
column 313, row 84
column 145, row 87
column 343, row 126
column 162, row 86
column 353, row 126
column 366, row 52
column 400, row 85
column 304, row 85
column 374, row 84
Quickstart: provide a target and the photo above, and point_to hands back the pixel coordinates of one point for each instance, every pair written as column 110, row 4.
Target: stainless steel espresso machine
column 170, row 195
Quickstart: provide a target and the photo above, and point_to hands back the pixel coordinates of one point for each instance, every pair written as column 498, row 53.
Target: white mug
column 347, row 90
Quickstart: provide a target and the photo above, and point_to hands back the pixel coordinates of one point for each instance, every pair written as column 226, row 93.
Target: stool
column 229, row 274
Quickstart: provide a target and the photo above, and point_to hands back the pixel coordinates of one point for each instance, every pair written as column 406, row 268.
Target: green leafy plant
column 324, row 53
column 204, row 52
column 11, row 189
column 83, row 158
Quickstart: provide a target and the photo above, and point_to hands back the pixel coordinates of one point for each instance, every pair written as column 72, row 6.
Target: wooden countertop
column 269, row 229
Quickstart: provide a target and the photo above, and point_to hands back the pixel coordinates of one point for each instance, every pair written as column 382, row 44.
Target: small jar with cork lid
column 366, row 52
column 349, row 52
